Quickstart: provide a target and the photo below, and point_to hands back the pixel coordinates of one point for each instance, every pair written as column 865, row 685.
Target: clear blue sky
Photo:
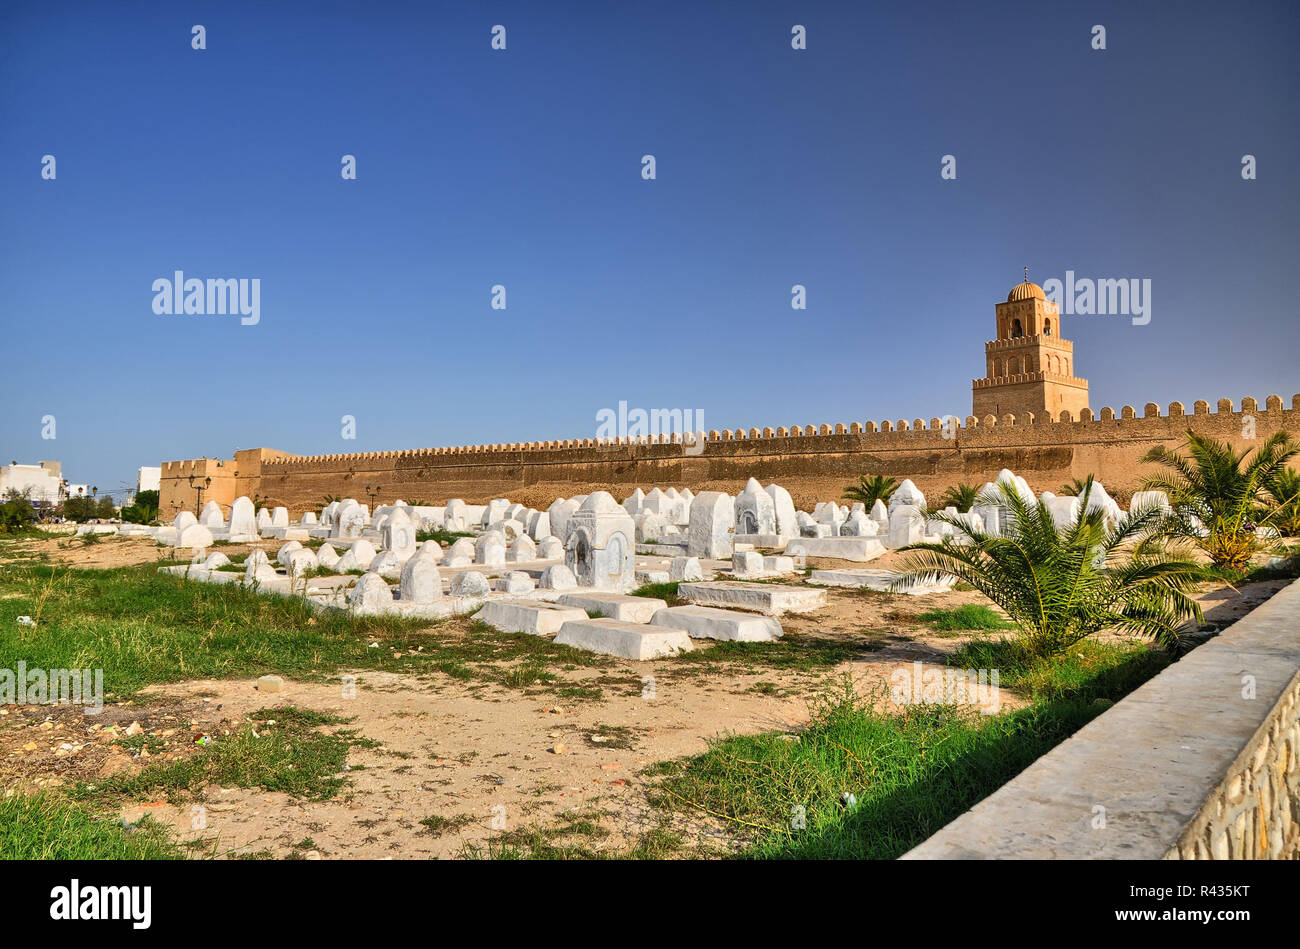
column 522, row 168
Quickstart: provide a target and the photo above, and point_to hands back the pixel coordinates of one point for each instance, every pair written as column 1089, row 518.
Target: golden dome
column 1026, row 291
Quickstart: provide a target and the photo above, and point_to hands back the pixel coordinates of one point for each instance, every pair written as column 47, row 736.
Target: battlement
column 1039, row 376
column 1087, row 417
column 1020, row 342
column 198, row 467
column 813, row 461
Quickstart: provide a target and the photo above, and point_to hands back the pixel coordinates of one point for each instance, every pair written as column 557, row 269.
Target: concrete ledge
column 613, row 637
column 619, row 606
column 707, row 622
column 878, row 580
column 538, row 618
column 769, row 598
column 1198, row 763
column 856, row 549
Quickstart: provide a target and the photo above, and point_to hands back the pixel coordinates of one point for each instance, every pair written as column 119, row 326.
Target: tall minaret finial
column 1026, row 275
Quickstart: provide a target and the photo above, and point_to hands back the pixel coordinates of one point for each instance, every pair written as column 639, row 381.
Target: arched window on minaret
column 1047, row 327
column 1016, row 330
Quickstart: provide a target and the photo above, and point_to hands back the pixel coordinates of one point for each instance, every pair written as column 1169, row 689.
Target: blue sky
column 475, row 167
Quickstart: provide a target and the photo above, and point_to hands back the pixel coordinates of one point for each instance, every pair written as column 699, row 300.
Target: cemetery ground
column 462, row 741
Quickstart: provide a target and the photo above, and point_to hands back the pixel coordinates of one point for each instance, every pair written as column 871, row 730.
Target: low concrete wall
column 1198, row 763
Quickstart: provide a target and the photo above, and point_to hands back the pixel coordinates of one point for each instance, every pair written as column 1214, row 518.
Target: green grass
column 437, row 825
column 444, row 538
column 1090, row 670
column 796, row 652
column 660, row 591
column 910, row 773
column 281, row 749
column 45, row 827
column 143, row 628
column 968, row 616
column 575, row 836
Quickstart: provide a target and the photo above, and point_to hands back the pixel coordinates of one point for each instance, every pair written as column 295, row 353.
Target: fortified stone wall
column 814, row 462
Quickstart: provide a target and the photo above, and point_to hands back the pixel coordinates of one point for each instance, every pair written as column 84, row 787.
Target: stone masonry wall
column 814, row 462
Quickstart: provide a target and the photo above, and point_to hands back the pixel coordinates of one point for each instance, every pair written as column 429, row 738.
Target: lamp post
column 198, row 490
column 372, row 492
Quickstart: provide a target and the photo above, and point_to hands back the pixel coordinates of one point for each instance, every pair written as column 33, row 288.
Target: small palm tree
column 1073, row 488
column 1285, row 490
column 870, row 490
column 962, row 496
column 1061, row 585
column 1219, row 498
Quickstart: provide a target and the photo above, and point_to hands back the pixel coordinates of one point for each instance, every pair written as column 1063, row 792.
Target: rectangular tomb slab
column 613, row 637
column 877, row 580
column 857, row 549
column 770, row 598
column 708, row 622
column 619, row 606
column 528, row 616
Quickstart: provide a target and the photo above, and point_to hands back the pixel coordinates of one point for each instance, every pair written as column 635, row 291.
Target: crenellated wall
column 814, row 462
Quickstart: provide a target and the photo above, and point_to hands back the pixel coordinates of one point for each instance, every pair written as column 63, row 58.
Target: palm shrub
column 962, row 496
column 1059, row 585
column 1219, row 498
column 870, row 490
column 1285, row 490
column 1072, row 488
column 143, row 510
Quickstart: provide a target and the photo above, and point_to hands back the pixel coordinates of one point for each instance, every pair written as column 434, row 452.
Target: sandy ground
column 112, row 551
column 486, row 758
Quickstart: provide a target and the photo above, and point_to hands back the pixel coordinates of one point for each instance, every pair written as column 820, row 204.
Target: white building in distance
column 149, row 479
column 39, row 482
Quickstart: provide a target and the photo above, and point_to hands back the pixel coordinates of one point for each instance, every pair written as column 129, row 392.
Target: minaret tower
column 1030, row 366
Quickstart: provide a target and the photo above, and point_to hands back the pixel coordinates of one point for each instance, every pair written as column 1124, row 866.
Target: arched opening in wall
column 1067, row 367
column 748, row 523
column 1047, row 327
column 578, row 558
column 1016, row 330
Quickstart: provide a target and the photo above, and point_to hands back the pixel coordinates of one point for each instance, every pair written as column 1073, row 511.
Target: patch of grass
column 282, row 749
column 619, row 737
column 967, row 616
column 910, row 773
column 443, row 538
column 143, row 628
column 1089, row 670
column 575, row 836
column 798, row 652
column 660, row 591
column 438, row 826
column 45, row 827
column 526, row 674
